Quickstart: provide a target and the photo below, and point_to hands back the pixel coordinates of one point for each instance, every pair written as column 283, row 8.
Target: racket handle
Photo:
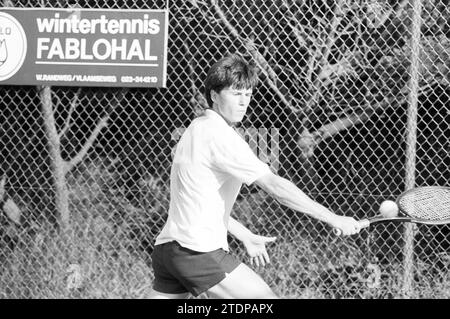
column 364, row 223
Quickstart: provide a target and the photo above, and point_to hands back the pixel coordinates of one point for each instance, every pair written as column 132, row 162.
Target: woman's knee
column 161, row 295
column 242, row 283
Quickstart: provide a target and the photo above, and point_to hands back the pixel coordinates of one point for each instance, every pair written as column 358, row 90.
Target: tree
column 59, row 166
column 333, row 65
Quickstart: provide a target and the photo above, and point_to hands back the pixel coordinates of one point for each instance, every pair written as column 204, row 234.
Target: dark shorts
column 180, row 270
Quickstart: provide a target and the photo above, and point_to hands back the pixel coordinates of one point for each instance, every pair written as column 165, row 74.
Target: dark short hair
column 231, row 71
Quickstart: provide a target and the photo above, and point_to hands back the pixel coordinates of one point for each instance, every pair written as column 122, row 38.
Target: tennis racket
column 422, row 205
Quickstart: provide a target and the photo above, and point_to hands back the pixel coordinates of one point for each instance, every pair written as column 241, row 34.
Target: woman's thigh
column 242, row 283
column 161, row 295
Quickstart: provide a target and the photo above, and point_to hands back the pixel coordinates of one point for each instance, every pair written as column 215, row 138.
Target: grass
column 79, row 263
column 105, row 252
column 85, row 263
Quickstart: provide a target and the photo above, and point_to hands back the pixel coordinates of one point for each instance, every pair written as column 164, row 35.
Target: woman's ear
column 213, row 96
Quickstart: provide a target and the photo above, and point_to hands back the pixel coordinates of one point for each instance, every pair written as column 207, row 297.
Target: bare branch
column 261, row 62
column 73, row 106
column 2, row 188
column 102, row 123
column 343, row 67
column 308, row 141
column 197, row 99
column 197, row 3
column 194, row 3
column 324, row 54
column 387, row 14
column 294, row 26
column 58, row 99
column 311, row 66
column 332, row 37
column 341, row 124
column 90, row 141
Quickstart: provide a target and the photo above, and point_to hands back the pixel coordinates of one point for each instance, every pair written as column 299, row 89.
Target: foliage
column 87, row 261
column 101, row 255
column 105, row 253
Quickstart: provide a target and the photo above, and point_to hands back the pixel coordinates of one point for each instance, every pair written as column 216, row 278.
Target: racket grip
column 364, row 223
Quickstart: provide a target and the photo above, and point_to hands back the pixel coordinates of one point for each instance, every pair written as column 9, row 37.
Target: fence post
column 411, row 140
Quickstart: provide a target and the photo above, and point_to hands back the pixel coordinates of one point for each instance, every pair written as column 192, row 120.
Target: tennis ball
column 388, row 208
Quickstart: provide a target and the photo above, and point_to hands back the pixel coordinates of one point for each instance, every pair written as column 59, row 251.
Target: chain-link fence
column 352, row 105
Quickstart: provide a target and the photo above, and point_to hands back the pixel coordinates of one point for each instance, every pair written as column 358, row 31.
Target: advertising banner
column 83, row 47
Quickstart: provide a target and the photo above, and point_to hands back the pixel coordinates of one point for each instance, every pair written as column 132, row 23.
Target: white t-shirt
column 210, row 164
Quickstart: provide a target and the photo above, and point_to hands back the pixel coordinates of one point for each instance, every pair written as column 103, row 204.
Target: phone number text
column 139, row 79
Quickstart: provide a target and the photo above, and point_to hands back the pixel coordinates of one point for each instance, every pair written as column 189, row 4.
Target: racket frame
column 366, row 222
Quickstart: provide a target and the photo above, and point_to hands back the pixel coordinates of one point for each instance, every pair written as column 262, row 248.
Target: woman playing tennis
column 211, row 162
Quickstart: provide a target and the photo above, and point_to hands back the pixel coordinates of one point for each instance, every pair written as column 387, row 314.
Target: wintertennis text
column 77, row 47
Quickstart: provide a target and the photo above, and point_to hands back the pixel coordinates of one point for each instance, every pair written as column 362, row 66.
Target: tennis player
column 211, row 162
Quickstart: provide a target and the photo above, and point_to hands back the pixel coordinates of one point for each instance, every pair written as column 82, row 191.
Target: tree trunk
column 57, row 165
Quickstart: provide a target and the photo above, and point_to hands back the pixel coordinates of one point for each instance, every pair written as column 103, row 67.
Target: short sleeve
column 232, row 155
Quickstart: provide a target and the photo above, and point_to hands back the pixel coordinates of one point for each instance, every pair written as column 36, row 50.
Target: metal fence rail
column 352, row 105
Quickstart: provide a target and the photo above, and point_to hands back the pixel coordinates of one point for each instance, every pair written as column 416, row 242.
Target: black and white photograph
column 237, row 150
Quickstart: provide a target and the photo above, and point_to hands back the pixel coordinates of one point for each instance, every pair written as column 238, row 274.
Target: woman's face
column 231, row 103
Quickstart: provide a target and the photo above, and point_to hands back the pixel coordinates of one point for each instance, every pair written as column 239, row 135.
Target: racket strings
column 430, row 204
